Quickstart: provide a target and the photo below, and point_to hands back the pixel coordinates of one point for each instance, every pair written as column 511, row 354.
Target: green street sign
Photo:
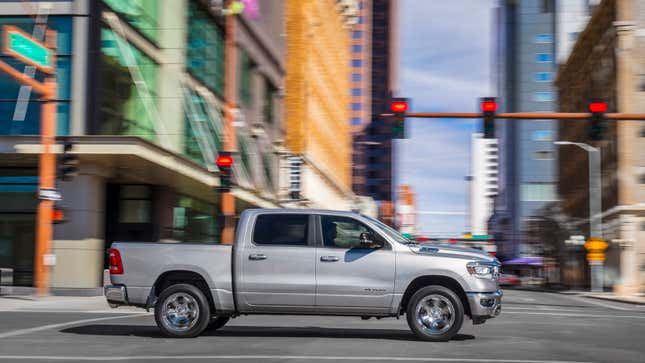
column 27, row 49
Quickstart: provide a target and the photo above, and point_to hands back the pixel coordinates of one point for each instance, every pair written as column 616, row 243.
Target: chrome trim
column 479, row 311
column 116, row 295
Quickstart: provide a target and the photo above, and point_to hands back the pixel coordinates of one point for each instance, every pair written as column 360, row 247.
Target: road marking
column 280, row 357
column 591, row 315
column 62, row 325
column 595, row 302
column 68, row 311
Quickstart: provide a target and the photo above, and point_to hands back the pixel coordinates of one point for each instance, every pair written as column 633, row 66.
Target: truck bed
column 143, row 263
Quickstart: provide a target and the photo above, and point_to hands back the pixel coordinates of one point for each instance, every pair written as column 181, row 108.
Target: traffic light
column 295, row 169
column 224, row 162
column 488, row 106
column 399, row 106
column 68, row 162
column 58, row 215
column 598, row 123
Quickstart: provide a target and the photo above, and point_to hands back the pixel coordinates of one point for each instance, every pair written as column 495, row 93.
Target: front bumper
column 116, row 295
column 484, row 305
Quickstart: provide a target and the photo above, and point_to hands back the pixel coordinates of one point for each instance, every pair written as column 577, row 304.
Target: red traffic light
column 399, row 106
column 598, row 107
column 489, row 106
column 224, row 161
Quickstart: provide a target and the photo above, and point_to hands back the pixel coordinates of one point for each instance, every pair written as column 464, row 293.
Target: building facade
column 528, row 38
column 317, row 98
column 141, row 98
column 373, row 173
column 607, row 62
column 483, row 182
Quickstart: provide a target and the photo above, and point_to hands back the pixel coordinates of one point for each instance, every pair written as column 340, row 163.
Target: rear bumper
column 116, row 295
column 484, row 305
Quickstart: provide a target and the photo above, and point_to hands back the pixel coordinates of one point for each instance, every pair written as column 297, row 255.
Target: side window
column 281, row 229
column 343, row 232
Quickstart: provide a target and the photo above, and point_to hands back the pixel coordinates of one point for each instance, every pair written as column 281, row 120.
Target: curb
column 615, row 299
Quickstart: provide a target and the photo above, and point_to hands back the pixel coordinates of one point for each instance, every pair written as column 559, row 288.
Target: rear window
column 281, row 229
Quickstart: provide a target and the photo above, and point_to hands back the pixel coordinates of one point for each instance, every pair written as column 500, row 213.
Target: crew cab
column 314, row 262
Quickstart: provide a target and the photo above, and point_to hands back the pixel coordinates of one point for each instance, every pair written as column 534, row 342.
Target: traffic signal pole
column 523, row 115
column 47, row 161
column 230, row 74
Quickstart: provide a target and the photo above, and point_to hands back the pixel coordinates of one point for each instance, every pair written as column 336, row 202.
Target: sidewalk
column 637, row 299
column 61, row 304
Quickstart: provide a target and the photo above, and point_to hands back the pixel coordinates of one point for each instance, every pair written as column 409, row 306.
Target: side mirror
column 367, row 240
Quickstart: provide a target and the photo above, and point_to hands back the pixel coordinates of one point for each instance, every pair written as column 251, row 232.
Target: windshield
column 391, row 232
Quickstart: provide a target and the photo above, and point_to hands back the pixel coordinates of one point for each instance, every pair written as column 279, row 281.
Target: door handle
column 328, row 258
column 257, row 256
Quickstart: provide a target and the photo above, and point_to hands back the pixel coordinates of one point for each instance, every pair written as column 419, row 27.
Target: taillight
column 492, row 253
column 116, row 265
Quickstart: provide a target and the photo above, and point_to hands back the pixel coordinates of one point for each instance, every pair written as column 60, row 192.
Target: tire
column 218, row 322
column 182, row 311
column 445, row 319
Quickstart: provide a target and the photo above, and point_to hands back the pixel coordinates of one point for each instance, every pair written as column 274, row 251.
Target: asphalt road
column 533, row 327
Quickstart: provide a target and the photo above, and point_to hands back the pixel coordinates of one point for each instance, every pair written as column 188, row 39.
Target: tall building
column 609, row 48
column 317, row 98
column 140, row 95
column 360, row 78
column 373, row 173
column 528, row 38
column 483, row 182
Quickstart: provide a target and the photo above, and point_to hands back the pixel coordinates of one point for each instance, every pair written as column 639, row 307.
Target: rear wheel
column 182, row 311
column 435, row 313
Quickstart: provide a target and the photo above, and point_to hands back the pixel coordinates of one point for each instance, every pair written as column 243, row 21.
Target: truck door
column 278, row 264
column 348, row 275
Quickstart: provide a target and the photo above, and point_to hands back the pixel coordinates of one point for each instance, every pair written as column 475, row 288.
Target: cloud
column 445, row 66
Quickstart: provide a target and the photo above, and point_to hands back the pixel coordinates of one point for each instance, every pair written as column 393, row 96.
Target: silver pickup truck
column 314, row 262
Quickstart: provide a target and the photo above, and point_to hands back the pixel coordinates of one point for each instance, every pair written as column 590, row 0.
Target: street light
column 595, row 209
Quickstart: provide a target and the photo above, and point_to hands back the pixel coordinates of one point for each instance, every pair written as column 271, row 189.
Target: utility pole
column 596, row 246
column 229, row 142
column 42, row 56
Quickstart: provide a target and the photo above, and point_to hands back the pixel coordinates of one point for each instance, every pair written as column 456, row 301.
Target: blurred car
column 509, row 280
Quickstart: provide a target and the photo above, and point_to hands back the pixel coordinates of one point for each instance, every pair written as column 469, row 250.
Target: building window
column 23, row 118
column 357, row 92
column 357, row 106
column 198, row 128
column 125, row 106
column 270, row 92
column 357, row 48
column 542, row 135
column 194, row 221
column 543, row 76
column 545, row 96
column 543, row 38
column 205, row 48
column 544, row 155
column 547, row 6
column 357, row 63
column 134, row 204
column 538, row 192
column 357, row 34
column 356, row 121
column 246, row 67
column 361, row 19
column 544, row 57
column 357, row 77
column 141, row 14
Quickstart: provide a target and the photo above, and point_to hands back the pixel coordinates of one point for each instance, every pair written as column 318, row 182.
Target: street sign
column 21, row 45
column 49, row 194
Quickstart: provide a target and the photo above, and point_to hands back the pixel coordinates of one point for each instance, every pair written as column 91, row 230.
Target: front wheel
column 435, row 313
column 182, row 311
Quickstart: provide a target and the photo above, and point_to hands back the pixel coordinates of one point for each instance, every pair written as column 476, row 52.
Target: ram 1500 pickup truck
column 314, row 262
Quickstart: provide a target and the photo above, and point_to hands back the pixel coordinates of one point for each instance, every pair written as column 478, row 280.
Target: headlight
column 484, row 270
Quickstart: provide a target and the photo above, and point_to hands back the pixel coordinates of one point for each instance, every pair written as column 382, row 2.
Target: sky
column 445, row 66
